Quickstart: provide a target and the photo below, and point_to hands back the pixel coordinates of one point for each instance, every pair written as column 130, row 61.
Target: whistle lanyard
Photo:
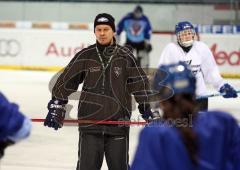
column 103, row 65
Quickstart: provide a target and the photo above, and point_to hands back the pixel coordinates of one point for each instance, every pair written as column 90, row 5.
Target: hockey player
column 110, row 75
column 184, row 139
column 138, row 33
column 14, row 126
column 201, row 60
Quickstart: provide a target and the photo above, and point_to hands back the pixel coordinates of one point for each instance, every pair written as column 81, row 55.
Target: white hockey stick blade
column 212, row 95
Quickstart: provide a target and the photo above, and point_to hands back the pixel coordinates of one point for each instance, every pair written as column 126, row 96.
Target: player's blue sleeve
column 13, row 124
column 234, row 144
column 120, row 26
column 149, row 154
column 219, row 140
column 148, row 29
column 231, row 143
column 159, row 149
column 23, row 132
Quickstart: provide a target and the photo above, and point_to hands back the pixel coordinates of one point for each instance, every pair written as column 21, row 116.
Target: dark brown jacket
column 105, row 95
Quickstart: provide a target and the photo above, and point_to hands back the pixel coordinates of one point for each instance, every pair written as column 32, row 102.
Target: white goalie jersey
column 201, row 62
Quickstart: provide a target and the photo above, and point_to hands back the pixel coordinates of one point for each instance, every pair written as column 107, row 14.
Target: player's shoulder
column 2, row 99
column 171, row 46
column 4, row 103
column 10, row 115
column 215, row 117
column 200, row 44
column 144, row 17
column 215, row 122
column 128, row 16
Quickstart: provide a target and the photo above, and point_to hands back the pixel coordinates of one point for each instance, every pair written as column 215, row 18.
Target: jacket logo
column 102, row 19
column 117, row 71
column 188, row 62
column 95, row 69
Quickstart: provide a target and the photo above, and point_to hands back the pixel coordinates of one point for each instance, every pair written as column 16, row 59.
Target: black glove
column 56, row 114
column 146, row 112
column 229, row 91
column 3, row 145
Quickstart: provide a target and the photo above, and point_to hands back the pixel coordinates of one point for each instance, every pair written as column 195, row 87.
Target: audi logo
column 9, row 47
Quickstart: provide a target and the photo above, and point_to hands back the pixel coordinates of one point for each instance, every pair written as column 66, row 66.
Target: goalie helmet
column 174, row 79
column 185, row 33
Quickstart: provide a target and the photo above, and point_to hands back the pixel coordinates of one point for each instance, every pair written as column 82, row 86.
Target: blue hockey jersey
column 137, row 30
column 13, row 124
column 161, row 147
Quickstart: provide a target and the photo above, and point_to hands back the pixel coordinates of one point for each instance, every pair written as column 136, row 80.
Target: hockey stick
column 106, row 122
column 213, row 95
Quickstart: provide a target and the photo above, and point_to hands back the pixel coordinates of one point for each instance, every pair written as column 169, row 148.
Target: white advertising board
column 42, row 47
column 226, row 50
column 51, row 48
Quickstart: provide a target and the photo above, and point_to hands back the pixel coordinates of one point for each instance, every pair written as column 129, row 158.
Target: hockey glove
column 229, row 91
column 56, row 114
column 4, row 145
column 146, row 112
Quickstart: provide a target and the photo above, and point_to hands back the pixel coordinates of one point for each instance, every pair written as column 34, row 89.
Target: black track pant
column 92, row 148
column 138, row 47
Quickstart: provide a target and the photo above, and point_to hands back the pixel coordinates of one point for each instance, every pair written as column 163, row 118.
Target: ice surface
column 47, row 149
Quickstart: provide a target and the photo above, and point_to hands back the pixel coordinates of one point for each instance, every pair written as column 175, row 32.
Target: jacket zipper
column 103, row 82
column 104, row 67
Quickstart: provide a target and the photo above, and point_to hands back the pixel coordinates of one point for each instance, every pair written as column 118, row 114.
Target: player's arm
column 14, row 126
column 209, row 67
column 231, row 132
column 119, row 29
column 235, row 144
column 149, row 153
column 147, row 35
column 148, row 29
column 120, row 26
column 212, row 75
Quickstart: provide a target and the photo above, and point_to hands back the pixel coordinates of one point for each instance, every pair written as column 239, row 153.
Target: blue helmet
column 183, row 26
column 176, row 78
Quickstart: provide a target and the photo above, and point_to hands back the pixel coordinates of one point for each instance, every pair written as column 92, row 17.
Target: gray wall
column 163, row 17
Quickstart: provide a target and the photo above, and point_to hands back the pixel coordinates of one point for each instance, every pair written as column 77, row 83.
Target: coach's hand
column 56, row 114
column 146, row 112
